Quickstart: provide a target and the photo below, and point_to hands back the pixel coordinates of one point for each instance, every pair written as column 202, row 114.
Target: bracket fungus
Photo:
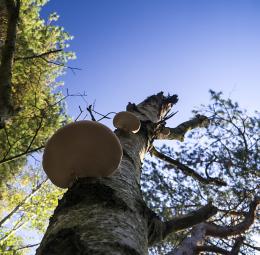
column 127, row 121
column 81, row 149
column 165, row 131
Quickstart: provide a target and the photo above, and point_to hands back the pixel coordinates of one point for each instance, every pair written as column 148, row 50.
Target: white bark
column 190, row 244
column 108, row 215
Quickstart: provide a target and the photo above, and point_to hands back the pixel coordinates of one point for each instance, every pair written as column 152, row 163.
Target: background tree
column 228, row 150
column 32, row 57
column 109, row 216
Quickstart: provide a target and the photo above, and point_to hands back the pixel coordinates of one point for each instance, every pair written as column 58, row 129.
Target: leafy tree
column 39, row 59
column 202, row 193
column 32, row 56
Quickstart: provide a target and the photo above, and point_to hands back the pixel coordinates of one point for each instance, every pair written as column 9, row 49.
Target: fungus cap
column 81, row 149
column 165, row 131
column 127, row 121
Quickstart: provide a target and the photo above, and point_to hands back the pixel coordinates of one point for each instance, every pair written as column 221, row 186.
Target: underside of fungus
column 81, row 149
column 127, row 121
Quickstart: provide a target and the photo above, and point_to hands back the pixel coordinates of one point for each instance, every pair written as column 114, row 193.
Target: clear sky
column 130, row 49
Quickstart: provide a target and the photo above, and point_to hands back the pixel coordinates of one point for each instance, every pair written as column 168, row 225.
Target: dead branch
column 179, row 132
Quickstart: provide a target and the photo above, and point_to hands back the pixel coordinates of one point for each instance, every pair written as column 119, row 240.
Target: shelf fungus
column 127, row 121
column 165, row 131
column 81, row 149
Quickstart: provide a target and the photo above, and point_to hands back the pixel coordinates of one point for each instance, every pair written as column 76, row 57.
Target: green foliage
column 30, row 206
column 40, row 111
column 228, row 149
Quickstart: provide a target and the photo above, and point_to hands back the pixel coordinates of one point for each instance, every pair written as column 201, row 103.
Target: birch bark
column 108, row 215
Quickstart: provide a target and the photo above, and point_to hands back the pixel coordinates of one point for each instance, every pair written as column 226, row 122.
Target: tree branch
column 26, row 246
column 179, row 132
column 223, row 231
column 211, row 248
column 59, row 64
column 218, row 250
column 39, row 55
column 190, row 219
column 237, row 245
column 186, row 170
column 5, row 160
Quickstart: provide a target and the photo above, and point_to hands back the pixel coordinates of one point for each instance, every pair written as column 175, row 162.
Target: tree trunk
column 108, row 215
column 9, row 9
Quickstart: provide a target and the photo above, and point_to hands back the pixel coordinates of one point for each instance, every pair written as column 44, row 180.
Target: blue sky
column 130, row 49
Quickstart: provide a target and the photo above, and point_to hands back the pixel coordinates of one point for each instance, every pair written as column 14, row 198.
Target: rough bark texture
column 9, row 8
column 108, row 215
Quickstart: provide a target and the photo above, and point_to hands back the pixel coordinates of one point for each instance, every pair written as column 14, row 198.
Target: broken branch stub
column 81, row 149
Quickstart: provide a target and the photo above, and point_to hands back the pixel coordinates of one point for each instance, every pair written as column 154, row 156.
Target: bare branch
column 89, row 109
column 218, row 250
column 223, row 231
column 211, row 248
column 186, row 170
column 60, row 64
column 158, row 230
column 251, row 246
column 39, row 55
column 237, row 245
column 5, row 160
column 27, row 246
column 179, row 132
column 189, row 220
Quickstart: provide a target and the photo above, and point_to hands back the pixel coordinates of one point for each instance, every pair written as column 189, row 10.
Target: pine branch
column 186, row 170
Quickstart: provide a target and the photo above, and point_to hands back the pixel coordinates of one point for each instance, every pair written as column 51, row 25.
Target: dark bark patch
column 65, row 242
column 90, row 194
column 128, row 157
column 125, row 249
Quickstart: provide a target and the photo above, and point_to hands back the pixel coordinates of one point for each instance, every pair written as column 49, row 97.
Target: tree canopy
column 188, row 175
column 38, row 110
